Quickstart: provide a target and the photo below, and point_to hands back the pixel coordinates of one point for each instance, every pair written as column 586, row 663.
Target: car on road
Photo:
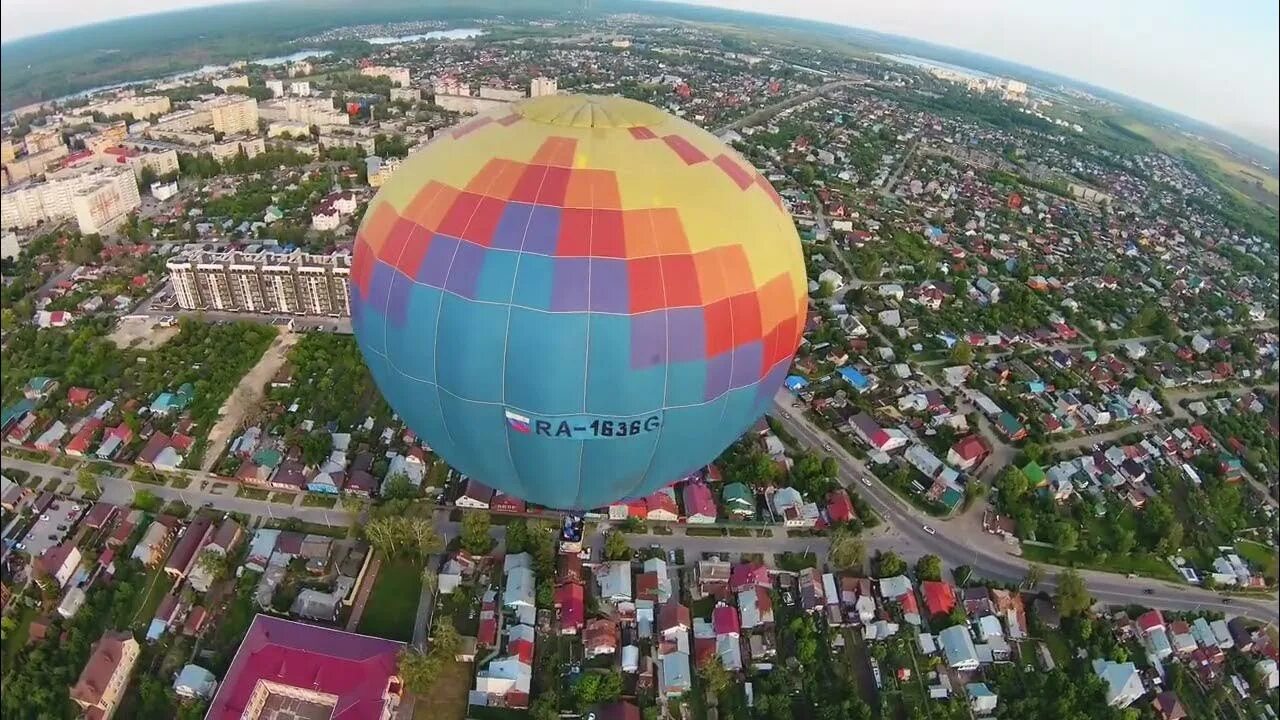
column 786, row 415
column 929, row 530
column 1148, row 591
column 865, row 481
column 826, row 446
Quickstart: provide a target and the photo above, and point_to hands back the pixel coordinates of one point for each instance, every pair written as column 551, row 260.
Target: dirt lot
column 141, row 334
column 245, row 398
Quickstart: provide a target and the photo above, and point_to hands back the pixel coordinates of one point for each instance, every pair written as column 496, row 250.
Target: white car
column 929, row 530
column 865, row 481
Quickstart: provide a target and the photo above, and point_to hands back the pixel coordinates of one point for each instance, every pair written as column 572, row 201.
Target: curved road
column 989, row 556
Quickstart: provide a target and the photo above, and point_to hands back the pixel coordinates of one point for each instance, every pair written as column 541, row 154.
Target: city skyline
column 1201, row 85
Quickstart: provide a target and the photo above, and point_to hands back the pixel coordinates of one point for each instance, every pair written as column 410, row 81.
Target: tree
column 88, row 482
column 146, row 500
column 594, row 688
column 1073, row 596
column 962, row 353
column 517, row 540
column 214, row 563
column 1035, row 574
column 847, row 549
column 398, row 487
column 1012, row 484
column 929, row 567
column 615, row 546
column 316, row 447
column 890, row 564
column 546, row 706
column 475, row 532
column 419, row 670
column 401, row 536
column 715, row 677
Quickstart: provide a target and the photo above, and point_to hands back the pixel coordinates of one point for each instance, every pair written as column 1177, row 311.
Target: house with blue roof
column 39, row 387
column 172, row 402
column 796, row 383
column 15, row 412
column 859, row 381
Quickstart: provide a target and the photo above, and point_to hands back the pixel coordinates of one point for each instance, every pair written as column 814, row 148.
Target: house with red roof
column 839, row 507
column 661, row 505
column 744, row 576
column 505, row 503
column 79, row 444
column 724, row 620
column 699, row 504
column 1150, row 621
column 1202, row 435
column 910, row 608
column 570, row 607
column 354, row 676
column 80, row 396
column 969, row 451
column 939, row 597
column 99, row 515
column 600, row 637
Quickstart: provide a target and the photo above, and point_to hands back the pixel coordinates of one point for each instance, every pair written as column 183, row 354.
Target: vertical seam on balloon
column 506, row 338
column 586, row 350
column 435, row 334
column 666, row 366
column 724, row 280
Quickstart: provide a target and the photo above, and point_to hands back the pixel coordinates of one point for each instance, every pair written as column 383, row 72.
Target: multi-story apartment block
column 263, row 282
column 226, row 83
column 232, row 114
column 312, row 111
column 540, row 86
column 397, row 75
column 95, row 198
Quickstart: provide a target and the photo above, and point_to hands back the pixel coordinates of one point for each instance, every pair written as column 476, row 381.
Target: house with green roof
column 1010, row 426
column 173, row 402
column 739, row 501
column 1035, row 474
column 15, row 412
column 267, row 457
column 39, row 387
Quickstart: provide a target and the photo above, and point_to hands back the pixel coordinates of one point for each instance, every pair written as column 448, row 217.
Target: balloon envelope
column 577, row 299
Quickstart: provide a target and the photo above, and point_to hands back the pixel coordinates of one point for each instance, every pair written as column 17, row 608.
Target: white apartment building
column 310, row 111
column 276, row 87
column 540, row 86
column 232, row 114
column 108, row 194
column 140, row 106
column 397, row 75
column 301, row 88
column 265, row 282
column 226, row 83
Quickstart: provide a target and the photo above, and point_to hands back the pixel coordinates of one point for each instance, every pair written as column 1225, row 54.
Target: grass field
column 158, row 585
column 1145, row 565
column 1253, row 182
column 285, row 498
column 252, row 493
column 393, row 602
column 448, row 700
column 313, row 500
column 18, row 638
column 1261, row 556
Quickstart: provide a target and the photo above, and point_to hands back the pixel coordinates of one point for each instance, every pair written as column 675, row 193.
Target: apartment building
column 250, row 146
column 140, row 106
column 41, row 139
column 540, row 86
column 263, row 282
column 160, row 161
column 311, row 111
column 397, row 75
column 105, row 677
column 183, row 120
column 232, row 114
column 226, row 83
column 95, row 198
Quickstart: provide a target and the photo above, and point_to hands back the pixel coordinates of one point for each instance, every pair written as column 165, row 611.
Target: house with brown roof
column 600, row 637
column 103, row 680
column 183, row 557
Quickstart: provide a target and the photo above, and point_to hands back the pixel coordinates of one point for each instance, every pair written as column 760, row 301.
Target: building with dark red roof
column 939, row 597
column 570, row 607
column 839, row 507
column 184, row 552
column 968, row 452
column 504, row 503
column 99, row 515
column 79, row 444
column 724, row 620
column 79, row 396
column 352, row 677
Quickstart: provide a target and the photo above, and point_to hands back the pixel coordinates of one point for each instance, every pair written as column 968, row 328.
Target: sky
column 1211, row 60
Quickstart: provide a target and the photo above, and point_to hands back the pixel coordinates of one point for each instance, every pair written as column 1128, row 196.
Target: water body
column 292, row 57
column 456, row 34
column 930, row 64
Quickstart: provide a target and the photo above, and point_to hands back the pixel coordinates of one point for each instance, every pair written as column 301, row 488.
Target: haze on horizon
column 1216, row 62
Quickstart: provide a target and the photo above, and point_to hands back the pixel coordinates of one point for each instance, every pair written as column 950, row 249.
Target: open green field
column 1251, row 181
column 1260, row 555
column 448, row 700
column 393, row 604
column 1137, row 563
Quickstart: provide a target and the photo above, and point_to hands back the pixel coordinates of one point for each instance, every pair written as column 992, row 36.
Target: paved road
column 767, row 112
column 958, row 543
column 120, row 491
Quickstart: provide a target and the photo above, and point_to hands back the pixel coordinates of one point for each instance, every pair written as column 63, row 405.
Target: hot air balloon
column 577, row 299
